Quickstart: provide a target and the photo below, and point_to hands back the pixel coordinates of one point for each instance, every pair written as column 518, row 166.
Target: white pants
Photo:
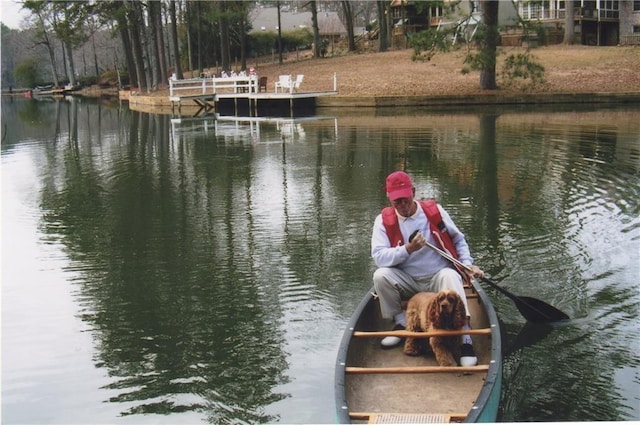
column 393, row 285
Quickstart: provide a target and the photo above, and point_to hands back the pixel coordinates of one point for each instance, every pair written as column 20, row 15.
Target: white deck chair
column 297, row 82
column 284, row 83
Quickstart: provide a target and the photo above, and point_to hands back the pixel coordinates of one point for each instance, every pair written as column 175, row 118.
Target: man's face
column 404, row 206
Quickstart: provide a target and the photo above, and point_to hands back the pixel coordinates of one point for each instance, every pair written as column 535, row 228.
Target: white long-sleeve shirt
column 424, row 262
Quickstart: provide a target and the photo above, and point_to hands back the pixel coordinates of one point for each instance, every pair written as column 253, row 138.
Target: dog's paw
column 412, row 353
column 411, row 350
column 446, row 360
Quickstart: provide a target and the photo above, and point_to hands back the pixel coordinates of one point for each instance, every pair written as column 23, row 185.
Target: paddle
column 531, row 309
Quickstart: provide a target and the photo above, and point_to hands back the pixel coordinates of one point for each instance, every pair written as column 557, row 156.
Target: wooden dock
column 239, row 94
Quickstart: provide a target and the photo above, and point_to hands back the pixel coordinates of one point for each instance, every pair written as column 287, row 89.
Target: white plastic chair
column 284, row 83
column 297, row 82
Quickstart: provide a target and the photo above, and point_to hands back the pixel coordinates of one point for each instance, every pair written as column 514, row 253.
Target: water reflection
column 215, row 261
column 231, row 129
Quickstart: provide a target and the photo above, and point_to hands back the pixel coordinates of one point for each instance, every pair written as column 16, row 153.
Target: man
column 409, row 267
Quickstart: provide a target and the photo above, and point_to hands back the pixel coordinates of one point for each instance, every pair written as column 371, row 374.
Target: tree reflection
column 158, row 286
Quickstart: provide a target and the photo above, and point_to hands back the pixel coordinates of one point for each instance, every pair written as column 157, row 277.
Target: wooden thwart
column 408, row 418
column 405, row 334
column 417, row 369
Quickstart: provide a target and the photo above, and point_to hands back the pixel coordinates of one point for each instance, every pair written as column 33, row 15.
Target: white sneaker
column 392, row 341
column 468, row 356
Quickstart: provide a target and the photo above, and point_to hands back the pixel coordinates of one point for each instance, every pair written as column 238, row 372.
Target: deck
column 240, row 94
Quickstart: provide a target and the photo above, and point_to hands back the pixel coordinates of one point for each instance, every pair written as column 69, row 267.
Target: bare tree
column 174, row 38
column 383, row 37
column 316, row 30
column 69, row 24
column 279, row 35
column 241, row 12
column 489, row 44
column 569, row 24
column 135, row 28
column 157, row 39
column 39, row 9
column 348, row 18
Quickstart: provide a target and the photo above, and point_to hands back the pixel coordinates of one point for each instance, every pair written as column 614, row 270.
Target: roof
column 266, row 19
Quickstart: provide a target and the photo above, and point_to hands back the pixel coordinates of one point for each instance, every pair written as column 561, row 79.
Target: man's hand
column 416, row 242
column 474, row 271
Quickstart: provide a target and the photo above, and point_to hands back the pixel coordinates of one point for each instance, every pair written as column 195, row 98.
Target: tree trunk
column 489, row 45
column 155, row 13
column 198, row 32
column 174, row 37
column 38, row 9
column 348, row 18
column 152, row 47
column 225, row 45
column 316, row 30
column 95, row 55
column 52, row 56
column 71, row 69
column 128, row 51
column 569, row 25
column 382, row 26
column 135, row 29
column 54, row 65
column 279, row 35
column 189, row 21
column 243, row 18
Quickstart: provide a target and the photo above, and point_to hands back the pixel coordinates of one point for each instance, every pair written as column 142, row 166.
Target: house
column 597, row 22
column 330, row 26
column 408, row 18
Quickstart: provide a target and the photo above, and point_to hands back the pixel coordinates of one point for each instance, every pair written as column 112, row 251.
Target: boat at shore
column 51, row 91
column 375, row 385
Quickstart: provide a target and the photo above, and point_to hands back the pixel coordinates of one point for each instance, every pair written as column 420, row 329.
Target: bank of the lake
column 573, row 74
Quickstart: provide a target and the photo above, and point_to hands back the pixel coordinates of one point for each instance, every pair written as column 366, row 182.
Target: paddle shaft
column 467, row 268
column 540, row 312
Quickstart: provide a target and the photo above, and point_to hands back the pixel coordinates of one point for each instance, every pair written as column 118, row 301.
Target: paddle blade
column 537, row 311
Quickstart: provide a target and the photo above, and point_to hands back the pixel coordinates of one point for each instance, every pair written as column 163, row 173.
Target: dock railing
column 214, row 85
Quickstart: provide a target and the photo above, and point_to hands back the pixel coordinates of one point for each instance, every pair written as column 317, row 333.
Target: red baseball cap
column 399, row 185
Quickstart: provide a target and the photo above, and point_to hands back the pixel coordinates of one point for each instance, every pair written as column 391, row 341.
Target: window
column 636, row 6
column 636, row 29
column 609, row 4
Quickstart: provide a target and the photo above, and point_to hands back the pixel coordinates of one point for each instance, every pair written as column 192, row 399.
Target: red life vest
column 436, row 227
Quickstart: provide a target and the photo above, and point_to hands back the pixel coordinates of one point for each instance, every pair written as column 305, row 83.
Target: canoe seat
column 412, row 418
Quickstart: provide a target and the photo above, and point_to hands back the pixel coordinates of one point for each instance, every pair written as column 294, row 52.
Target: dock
column 241, row 95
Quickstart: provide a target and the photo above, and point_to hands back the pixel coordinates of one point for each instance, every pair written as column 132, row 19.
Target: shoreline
column 573, row 75
column 161, row 104
column 578, row 75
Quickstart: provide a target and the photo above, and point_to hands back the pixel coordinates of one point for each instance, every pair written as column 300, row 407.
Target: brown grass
column 573, row 69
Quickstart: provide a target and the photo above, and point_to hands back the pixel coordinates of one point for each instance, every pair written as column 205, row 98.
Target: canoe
column 378, row 385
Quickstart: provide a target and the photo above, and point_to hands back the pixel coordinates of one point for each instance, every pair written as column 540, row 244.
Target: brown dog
column 429, row 311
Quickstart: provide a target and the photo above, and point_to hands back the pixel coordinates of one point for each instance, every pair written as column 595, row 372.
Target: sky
column 10, row 13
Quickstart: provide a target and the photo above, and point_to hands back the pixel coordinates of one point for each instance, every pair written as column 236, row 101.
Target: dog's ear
column 433, row 309
column 460, row 315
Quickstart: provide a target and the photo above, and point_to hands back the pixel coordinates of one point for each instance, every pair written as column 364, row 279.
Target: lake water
column 203, row 271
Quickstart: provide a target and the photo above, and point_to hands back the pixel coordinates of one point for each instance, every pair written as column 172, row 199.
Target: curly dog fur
column 429, row 311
